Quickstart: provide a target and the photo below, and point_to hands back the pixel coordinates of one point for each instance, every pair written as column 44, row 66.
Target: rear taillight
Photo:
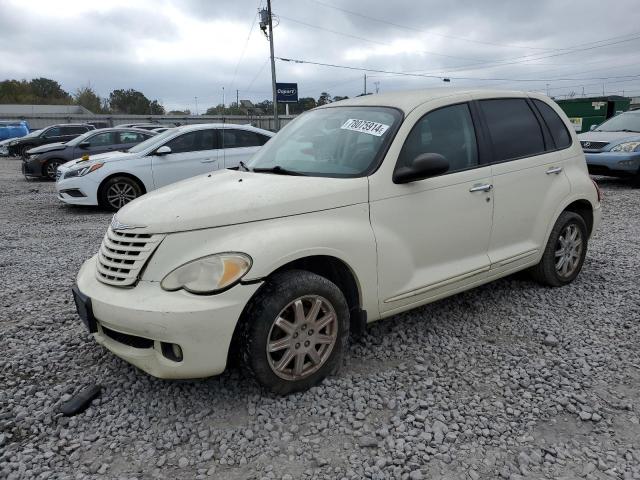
column 598, row 191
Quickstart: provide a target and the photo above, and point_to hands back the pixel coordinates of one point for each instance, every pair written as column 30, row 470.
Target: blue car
column 13, row 129
column 613, row 147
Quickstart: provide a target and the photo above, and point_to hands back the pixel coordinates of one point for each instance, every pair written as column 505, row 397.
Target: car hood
column 102, row 157
column 230, row 197
column 48, row 148
column 609, row 137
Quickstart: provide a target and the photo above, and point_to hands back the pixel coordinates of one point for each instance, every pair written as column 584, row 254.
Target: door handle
column 481, row 187
column 555, row 170
column 209, row 160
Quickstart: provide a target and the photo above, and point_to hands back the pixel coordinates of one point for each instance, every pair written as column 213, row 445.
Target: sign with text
column 287, row 92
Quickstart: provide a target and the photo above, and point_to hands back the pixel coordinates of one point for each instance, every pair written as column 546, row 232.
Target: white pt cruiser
column 354, row 212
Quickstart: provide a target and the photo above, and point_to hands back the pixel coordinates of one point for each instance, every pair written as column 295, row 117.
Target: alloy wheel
column 302, row 337
column 50, row 170
column 121, row 193
column 568, row 250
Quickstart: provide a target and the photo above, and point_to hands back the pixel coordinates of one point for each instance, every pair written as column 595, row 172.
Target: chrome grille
column 122, row 256
column 587, row 145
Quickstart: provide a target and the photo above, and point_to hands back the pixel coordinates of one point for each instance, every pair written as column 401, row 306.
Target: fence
column 37, row 121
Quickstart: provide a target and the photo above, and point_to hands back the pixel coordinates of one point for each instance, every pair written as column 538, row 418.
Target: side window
column 193, row 141
column 52, row 132
column 101, row 139
column 131, row 137
column 558, row 130
column 448, row 131
column 514, row 128
column 240, row 138
column 73, row 130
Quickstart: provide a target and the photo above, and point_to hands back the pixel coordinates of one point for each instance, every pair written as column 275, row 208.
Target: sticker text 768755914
column 365, row 126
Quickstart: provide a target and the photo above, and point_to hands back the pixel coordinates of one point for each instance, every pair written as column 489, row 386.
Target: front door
column 433, row 234
column 192, row 153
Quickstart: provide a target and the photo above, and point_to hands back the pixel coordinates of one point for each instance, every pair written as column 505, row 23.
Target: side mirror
column 163, row 150
column 592, row 127
column 84, row 144
column 424, row 166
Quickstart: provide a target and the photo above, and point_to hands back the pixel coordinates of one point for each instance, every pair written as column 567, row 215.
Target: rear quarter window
column 558, row 129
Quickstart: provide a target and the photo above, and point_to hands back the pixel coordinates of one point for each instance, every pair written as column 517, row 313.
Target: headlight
column 82, row 171
column 208, row 274
column 626, row 147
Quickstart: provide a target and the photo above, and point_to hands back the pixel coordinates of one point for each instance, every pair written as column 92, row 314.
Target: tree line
column 44, row 91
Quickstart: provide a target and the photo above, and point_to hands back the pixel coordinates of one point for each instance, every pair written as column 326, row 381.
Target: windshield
column 330, row 142
column 142, row 146
column 628, row 121
column 35, row 133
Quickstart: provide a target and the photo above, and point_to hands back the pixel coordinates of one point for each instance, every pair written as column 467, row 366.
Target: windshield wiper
column 244, row 165
column 279, row 171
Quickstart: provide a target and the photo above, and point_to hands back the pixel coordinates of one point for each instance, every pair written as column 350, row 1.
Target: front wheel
column 24, row 150
column 565, row 251
column 295, row 331
column 50, row 168
column 118, row 191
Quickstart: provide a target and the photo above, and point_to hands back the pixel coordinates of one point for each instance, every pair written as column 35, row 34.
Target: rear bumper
column 616, row 164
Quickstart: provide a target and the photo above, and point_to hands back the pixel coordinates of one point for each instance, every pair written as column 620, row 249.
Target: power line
column 377, row 42
column 415, row 29
column 244, row 48
column 409, row 74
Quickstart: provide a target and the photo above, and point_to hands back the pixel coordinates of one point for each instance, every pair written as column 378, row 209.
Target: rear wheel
column 295, row 331
column 49, row 169
column 118, row 191
column 25, row 149
column 565, row 251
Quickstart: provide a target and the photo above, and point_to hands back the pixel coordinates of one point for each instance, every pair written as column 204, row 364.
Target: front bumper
column 609, row 163
column 31, row 168
column 202, row 325
column 77, row 190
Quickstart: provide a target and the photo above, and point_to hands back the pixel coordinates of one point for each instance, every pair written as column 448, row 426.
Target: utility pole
column 365, row 83
column 273, row 69
column 237, row 98
column 196, row 98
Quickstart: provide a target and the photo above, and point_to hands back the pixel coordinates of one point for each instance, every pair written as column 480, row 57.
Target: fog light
column 172, row 351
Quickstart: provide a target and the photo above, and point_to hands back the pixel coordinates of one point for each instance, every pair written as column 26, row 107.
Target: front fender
column 344, row 233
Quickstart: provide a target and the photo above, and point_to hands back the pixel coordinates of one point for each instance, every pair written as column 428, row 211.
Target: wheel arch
column 330, row 267
column 122, row 174
column 584, row 208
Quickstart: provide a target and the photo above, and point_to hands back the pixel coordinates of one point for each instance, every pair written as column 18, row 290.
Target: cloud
column 176, row 50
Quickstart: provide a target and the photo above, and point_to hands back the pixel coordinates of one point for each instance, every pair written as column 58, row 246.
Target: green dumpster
column 585, row 112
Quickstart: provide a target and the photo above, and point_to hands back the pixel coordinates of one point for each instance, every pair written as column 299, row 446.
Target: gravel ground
column 511, row 380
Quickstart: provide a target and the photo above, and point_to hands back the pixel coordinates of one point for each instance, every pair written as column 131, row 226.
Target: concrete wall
column 42, row 120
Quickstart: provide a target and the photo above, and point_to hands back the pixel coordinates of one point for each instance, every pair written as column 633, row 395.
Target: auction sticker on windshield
column 365, row 126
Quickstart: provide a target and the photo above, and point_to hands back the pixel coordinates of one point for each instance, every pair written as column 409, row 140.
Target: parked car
column 4, row 144
column 13, row 129
column 114, row 179
column 613, row 147
column 144, row 126
column 43, row 161
column 52, row 134
column 353, row 212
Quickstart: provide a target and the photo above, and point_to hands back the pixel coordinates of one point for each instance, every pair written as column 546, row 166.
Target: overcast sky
column 175, row 50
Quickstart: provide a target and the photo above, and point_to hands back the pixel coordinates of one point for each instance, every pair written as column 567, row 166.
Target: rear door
column 192, row 153
column 528, row 178
column 238, row 145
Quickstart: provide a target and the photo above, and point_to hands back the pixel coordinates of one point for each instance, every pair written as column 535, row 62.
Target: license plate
column 85, row 311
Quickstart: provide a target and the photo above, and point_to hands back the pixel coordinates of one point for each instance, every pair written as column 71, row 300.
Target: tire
column 49, row 169
column 273, row 307
column 24, row 150
column 564, row 254
column 116, row 192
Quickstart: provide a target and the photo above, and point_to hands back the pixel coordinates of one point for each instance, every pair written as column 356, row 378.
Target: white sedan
column 114, row 179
